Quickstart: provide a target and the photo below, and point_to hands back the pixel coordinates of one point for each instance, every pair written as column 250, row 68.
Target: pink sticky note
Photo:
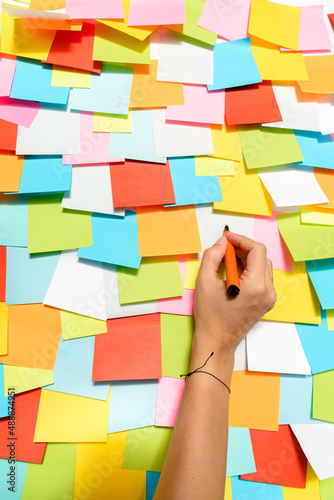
column 170, row 392
column 181, row 305
column 7, row 71
column 201, row 106
column 93, row 147
column 227, row 18
column 155, row 12
column 98, row 9
column 266, row 232
column 18, row 111
column 313, row 34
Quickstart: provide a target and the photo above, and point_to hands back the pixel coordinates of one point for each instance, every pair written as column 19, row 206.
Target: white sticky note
column 326, row 113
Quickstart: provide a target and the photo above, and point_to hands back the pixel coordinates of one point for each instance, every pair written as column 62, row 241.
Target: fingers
column 255, row 254
column 270, row 269
column 212, row 258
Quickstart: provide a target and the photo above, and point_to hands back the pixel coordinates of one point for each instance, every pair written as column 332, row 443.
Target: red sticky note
column 251, row 104
column 279, row 458
column 75, row 49
column 26, row 409
column 2, row 274
column 131, row 349
column 8, row 135
column 331, row 18
column 137, row 183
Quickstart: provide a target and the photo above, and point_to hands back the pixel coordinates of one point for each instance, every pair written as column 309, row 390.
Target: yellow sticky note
column 26, row 379
column 323, row 395
column 312, row 214
column 3, row 328
column 275, row 23
column 193, row 11
column 297, row 301
column 47, row 5
column 64, row 418
column 244, row 193
column 226, row 142
column 112, row 123
column 67, row 77
column 10, row 171
column 310, row 492
column 274, row 64
column 192, row 269
column 105, row 460
column 75, row 326
column 228, row 489
column 206, row 165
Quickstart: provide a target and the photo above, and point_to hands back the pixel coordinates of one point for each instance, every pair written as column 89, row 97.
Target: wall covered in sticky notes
column 131, row 132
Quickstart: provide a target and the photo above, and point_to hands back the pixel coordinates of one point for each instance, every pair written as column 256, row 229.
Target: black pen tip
column 226, row 228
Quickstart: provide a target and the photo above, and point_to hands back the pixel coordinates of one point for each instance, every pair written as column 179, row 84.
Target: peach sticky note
column 10, row 171
column 3, row 327
column 325, row 178
column 320, row 70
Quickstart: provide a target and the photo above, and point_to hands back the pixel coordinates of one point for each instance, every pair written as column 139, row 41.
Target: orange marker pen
column 232, row 276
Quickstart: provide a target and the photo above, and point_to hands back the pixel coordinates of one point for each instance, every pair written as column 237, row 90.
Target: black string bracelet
column 198, row 370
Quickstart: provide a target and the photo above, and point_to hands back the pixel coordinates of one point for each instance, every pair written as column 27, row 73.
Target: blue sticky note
column 152, row 479
column 3, row 398
column 321, row 273
column 73, row 369
column 317, row 149
column 109, row 92
column 13, row 221
column 115, row 240
column 251, row 490
column 139, row 145
column 296, row 400
column 240, row 457
column 32, row 82
column 234, row 65
column 45, row 174
column 20, row 475
column 189, row 188
column 132, row 404
column 28, row 276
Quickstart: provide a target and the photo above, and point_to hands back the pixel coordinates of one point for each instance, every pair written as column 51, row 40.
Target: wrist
column 220, row 364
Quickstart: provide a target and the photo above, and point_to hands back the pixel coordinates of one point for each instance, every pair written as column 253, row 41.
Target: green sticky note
column 176, row 339
column 54, row 478
column 111, row 45
column 268, row 147
column 156, row 278
column 52, row 228
column 146, row 448
column 76, row 326
column 323, row 396
column 327, row 489
column 330, row 319
column 306, row 241
column 193, row 9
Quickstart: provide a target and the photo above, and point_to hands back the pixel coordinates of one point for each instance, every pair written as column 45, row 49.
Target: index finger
column 254, row 253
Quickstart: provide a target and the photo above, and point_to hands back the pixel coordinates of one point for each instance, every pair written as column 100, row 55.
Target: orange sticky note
column 320, row 70
column 56, row 24
column 254, row 400
column 167, row 231
column 226, row 142
column 8, row 135
column 147, row 92
column 33, row 336
column 325, row 178
column 10, row 171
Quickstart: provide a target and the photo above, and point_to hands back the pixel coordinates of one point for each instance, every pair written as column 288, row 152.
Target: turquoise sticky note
column 13, row 221
column 109, row 92
column 317, row 149
column 45, row 174
column 296, row 400
column 139, row 145
column 115, row 240
column 152, row 479
column 321, row 273
column 32, row 82
column 190, row 189
column 250, row 490
column 73, row 368
column 132, row 404
column 20, row 475
column 234, row 65
column 3, row 400
column 28, row 276
column 240, row 457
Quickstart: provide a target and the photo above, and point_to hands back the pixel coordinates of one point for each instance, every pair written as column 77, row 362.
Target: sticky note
column 254, row 491
column 311, row 214
column 3, row 328
column 311, row 491
column 7, row 71
column 10, row 171
column 322, row 395
column 325, row 179
column 229, row 23
column 296, row 399
column 20, row 469
column 229, row 57
column 68, row 77
column 239, row 445
column 8, row 135
column 320, row 70
column 139, row 32
column 152, row 479
column 170, row 391
column 146, row 13
column 76, row 325
column 316, row 148
column 313, row 32
column 176, row 340
column 321, row 275
column 80, row 9
column 151, row 452
column 191, row 26
column 326, row 488
column 104, row 122
column 13, row 208
column 3, row 396
column 207, row 165
column 226, row 142
column 45, row 174
column 18, row 111
column 25, row 379
column 2, row 273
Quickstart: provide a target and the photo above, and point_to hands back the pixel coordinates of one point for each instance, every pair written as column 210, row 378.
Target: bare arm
column 195, row 465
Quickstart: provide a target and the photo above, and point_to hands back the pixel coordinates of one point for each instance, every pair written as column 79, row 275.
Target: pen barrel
column 232, row 276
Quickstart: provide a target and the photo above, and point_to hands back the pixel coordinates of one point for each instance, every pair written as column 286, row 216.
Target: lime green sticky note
column 156, row 278
column 75, row 326
column 149, row 452
column 111, row 45
column 267, row 146
column 176, row 340
column 327, row 489
column 112, row 123
column 52, row 228
column 54, row 478
column 25, row 379
column 70, row 77
column 323, row 396
column 207, row 165
column 306, row 241
column 193, row 10
column 330, row 319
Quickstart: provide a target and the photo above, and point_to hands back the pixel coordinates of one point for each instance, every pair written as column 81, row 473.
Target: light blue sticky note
column 317, row 149
column 240, row 457
column 321, row 273
column 45, row 174
column 251, row 490
column 14, row 221
column 28, row 276
column 73, row 369
column 234, row 65
column 32, row 82
column 20, row 475
column 139, row 145
column 318, row 345
column 132, row 404
column 109, row 92
column 296, row 400
column 152, row 479
column 189, row 188
column 115, row 240
column 3, row 399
